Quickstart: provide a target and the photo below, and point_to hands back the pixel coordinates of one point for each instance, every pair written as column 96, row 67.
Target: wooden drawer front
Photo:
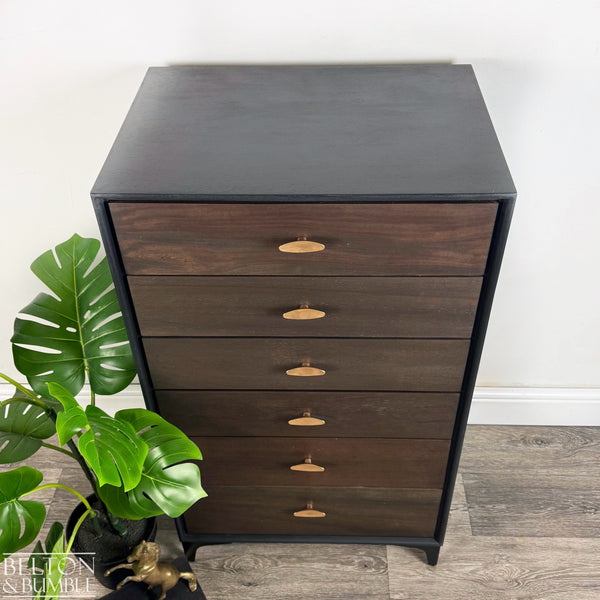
column 345, row 414
column 353, row 306
column 359, row 239
column 349, row 511
column 350, row 364
column 346, row 461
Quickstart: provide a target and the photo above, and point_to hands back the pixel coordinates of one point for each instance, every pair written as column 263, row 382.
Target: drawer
column 353, row 306
column 342, row 414
column 349, row 511
column 359, row 239
column 345, row 461
column 349, row 364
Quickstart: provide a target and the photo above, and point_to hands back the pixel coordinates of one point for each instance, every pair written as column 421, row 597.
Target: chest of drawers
column 306, row 259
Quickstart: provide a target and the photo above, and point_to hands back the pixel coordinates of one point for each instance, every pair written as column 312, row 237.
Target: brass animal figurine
column 143, row 561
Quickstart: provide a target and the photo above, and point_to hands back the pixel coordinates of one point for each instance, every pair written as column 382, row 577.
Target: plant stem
column 58, row 449
column 114, row 522
column 76, row 529
column 117, row 527
column 35, row 400
column 93, row 397
column 89, row 476
column 86, row 470
column 84, row 501
column 27, row 401
column 61, row 486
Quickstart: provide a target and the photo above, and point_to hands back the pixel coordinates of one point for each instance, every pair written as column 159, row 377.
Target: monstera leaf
column 72, row 419
column 47, row 565
column 109, row 445
column 165, row 486
column 22, row 429
column 20, row 520
column 59, row 337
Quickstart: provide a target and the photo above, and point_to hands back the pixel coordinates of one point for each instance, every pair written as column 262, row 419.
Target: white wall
column 69, row 70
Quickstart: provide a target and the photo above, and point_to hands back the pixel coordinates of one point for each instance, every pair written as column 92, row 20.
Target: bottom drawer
column 393, row 512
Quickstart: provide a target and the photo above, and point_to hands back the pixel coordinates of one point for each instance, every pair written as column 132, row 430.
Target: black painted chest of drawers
column 306, row 259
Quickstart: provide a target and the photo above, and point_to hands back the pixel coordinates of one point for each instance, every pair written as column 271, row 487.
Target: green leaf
column 22, row 429
column 71, row 420
column 79, row 328
column 110, row 446
column 165, row 486
column 37, row 566
column 54, row 568
column 54, row 534
column 20, row 520
column 112, row 449
column 39, row 561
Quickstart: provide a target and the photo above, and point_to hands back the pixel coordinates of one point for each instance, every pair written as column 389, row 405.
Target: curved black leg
column 189, row 549
column 432, row 554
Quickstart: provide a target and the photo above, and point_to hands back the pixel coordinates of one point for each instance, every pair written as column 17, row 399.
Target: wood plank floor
column 525, row 525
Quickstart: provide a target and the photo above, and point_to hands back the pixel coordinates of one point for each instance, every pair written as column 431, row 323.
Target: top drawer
column 359, row 239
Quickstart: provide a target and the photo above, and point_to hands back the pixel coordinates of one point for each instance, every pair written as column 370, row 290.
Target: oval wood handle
column 309, row 511
column 305, row 371
column 301, row 246
column 303, row 313
column 306, row 421
column 307, row 466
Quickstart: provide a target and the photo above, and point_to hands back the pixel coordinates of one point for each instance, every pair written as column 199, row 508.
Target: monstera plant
column 136, row 462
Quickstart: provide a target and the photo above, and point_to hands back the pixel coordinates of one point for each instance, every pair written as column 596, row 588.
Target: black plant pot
column 109, row 549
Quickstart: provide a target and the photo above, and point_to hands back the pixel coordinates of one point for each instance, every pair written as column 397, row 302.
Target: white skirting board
column 491, row 405
column 129, row 398
column 535, row 406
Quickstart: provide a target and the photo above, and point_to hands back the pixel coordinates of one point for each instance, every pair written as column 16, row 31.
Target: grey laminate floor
column 525, row 525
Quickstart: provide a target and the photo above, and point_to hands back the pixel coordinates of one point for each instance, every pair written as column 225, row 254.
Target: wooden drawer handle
column 306, row 421
column 301, row 246
column 307, row 466
column 309, row 511
column 305, row 371
column 303, row 313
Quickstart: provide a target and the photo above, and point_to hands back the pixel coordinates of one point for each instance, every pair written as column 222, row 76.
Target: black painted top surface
column 277, row 131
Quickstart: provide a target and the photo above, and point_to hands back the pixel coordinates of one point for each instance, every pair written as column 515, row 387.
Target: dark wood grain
column 360, row 239
column 346, row 414
column 350, row 364
column 354, row 306
column 350, row 511
column 303, row 130
column 347, row 462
